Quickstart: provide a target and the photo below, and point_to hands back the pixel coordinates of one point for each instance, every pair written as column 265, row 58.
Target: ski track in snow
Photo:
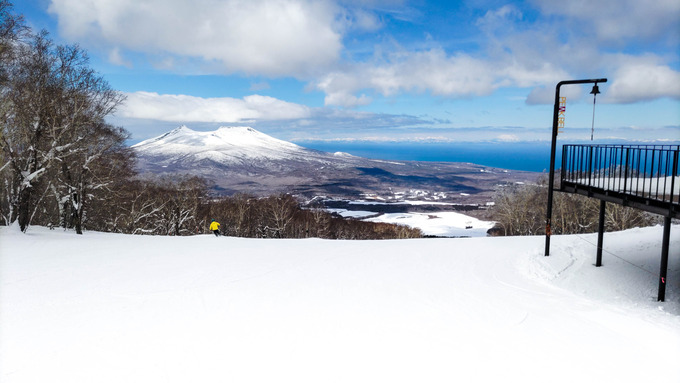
column 117, row 308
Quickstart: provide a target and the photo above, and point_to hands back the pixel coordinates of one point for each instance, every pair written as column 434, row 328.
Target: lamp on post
column 553, row 146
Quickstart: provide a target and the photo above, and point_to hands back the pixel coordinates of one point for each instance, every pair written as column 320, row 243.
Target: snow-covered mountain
column 226, row 145
column 242, row 159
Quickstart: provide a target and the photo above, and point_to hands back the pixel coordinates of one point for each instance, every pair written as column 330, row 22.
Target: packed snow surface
column 119, row 308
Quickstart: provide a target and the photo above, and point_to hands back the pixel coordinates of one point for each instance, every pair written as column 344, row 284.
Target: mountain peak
column 183, row 129
column 226, row 144
column 180, row 130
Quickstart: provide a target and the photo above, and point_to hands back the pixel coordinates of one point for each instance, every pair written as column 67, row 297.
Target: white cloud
column 346, row 99
column 340, row 87
column 257, row 86
column 546, row 95
column 618, row 20
column 364, row 20
column 495, row 17
column 304, row 39
column 116, row 58
column 428, row 71
column 513, row 73
column 434, row 71
column 183, row 108
column 507, row 138
column 270, row 37
column 539, row 54
column 639, row 81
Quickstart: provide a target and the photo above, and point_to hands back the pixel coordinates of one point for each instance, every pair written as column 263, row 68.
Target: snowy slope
column 116, row 308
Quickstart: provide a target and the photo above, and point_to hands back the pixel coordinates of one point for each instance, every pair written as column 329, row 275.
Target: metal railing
column 648, row 172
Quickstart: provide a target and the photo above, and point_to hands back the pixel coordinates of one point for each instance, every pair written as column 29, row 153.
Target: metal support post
column 664, row 258
column 600, row 233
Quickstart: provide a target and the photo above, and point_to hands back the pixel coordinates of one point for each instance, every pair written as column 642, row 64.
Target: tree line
column 522, row 209
column 63, row 165
column 184, row 206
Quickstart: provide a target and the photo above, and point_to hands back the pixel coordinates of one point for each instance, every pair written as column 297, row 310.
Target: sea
column 527, row 156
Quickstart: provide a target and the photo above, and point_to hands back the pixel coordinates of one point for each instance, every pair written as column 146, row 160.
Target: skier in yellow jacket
column 215, row 227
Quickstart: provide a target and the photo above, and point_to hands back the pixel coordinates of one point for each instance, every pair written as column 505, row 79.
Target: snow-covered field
column 440, row 223
column 118, row 308
column 443, row 224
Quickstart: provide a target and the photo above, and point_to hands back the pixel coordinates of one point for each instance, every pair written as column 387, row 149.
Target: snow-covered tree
column 52, row 129
column 521, row 210
column 278, row 213
column 89, row 171
column 181, row 201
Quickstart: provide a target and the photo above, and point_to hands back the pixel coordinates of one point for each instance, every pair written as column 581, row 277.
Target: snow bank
column 116, row 308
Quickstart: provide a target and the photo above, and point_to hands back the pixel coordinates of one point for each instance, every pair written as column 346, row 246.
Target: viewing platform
column 645, row 177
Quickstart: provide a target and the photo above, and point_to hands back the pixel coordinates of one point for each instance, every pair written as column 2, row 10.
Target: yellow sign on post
column 561, row 113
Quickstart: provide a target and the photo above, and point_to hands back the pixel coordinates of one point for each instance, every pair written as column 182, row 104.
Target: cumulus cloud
column 539, row 54
column 363, row 20
column 304, row 39
column 435, row 72
column 116, row 58
column 270, row 37
column 546, row 95
column 429, row 71
column 639, row 81
column 183, row 108
column 618, row 20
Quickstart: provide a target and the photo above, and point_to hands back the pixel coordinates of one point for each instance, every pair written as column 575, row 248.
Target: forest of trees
column 183, row 206
column 521, row 210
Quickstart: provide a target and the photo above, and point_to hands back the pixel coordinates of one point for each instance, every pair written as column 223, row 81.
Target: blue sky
column 381, row 70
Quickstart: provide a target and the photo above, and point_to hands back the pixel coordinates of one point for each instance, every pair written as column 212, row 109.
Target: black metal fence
column 645, row 172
